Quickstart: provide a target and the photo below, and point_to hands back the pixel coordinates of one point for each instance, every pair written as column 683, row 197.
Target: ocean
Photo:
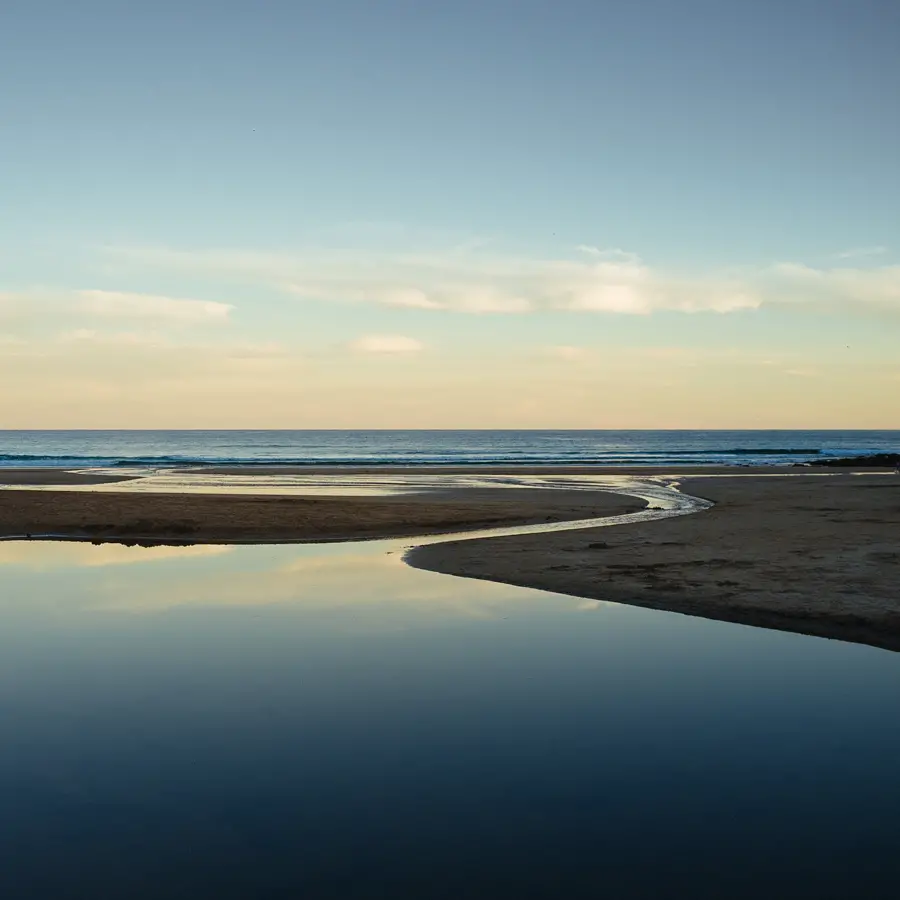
column 647, row 448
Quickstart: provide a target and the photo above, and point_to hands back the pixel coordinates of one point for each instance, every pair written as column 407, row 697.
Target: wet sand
column 58, row 476
column 817, row 555
column 218, row 518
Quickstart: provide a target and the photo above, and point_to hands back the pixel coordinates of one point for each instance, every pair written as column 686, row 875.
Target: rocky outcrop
column 872, row 460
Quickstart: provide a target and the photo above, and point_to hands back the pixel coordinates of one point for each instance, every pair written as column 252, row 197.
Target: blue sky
column 466, row 188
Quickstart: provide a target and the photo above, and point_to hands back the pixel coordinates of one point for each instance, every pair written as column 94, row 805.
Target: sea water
column 172, row 448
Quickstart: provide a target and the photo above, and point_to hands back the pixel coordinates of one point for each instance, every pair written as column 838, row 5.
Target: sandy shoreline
column 41, row 477
column 807, row 553
column 814, row 555
column 223, row 518
column 63, row 477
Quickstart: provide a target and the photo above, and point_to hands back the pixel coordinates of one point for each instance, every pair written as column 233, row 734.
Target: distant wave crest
column 413, row 457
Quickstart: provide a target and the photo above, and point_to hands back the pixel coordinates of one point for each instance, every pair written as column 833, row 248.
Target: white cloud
column 408, row 298
column 386, row 343
column 457, row 297
column 611, row 281
column 613, row 254
column 150, row 306
column 624, row 284
column 599, row 281
column 483, row 299
column 843, row 288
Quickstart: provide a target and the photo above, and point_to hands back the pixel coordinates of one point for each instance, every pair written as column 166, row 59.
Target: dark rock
column 873, row 460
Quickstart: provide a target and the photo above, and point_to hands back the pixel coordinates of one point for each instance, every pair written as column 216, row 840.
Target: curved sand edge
column 138, row 517
column 49, row 477
column 807, row 554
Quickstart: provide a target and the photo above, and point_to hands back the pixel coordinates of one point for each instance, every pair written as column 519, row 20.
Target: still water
column 323, row 721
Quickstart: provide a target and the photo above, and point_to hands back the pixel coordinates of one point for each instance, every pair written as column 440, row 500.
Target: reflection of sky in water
column 323, row 721
column 356, row 580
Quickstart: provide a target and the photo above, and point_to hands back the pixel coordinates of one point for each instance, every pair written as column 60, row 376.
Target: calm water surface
column 323, row 721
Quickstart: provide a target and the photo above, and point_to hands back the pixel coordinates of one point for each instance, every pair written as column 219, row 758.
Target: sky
column 484, row 214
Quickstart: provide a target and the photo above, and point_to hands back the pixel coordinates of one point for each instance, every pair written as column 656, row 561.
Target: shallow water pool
column 323, row 721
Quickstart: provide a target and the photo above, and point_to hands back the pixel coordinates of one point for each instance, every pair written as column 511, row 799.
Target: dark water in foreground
column 256, row 722
column 170, row 448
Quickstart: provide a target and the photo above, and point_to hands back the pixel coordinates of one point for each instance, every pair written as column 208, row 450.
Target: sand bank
column 214, row 518
column 809, row 550
column 818, row 555
column 58, row 476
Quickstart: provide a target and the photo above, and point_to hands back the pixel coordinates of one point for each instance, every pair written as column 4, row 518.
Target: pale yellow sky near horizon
column 85, row 382
column 458, row 340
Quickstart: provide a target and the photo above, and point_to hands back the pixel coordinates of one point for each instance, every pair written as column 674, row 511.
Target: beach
column 226, row 518
column 812, row 554
column 38, row 477
column 806, row 550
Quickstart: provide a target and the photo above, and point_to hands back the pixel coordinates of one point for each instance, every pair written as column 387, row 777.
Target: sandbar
column 48, row 476
column 810, row 554
column 806, row 550
column 229, row 518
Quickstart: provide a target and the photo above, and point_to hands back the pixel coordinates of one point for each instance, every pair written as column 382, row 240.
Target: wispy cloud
column 595, row 280
column 610, row 254
column 115, row 338
column 386, row 343
column 856, row 252
column 458, row 297
column 842, row 288
column 150, row 306
column 470, row 282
